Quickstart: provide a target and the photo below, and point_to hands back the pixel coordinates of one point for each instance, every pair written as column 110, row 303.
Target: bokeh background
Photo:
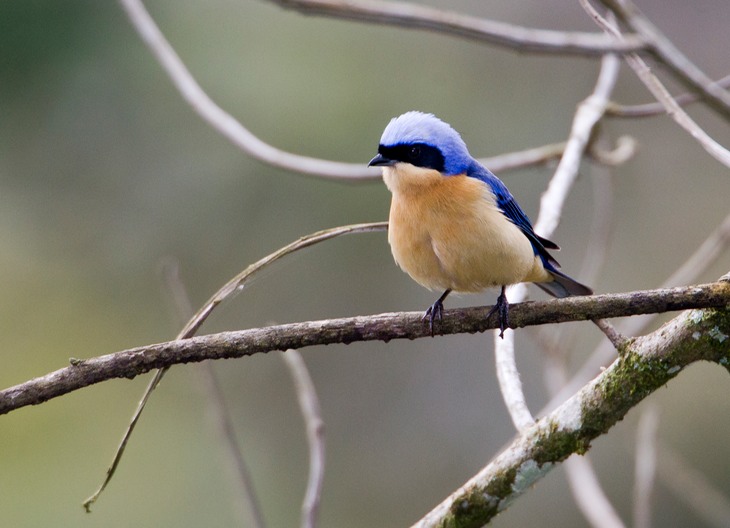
column 105, row 174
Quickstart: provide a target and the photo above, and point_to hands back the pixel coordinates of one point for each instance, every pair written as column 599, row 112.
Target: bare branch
column 651, row 362
column 589, row 112
column 133, row 362
column 524, row 158
column 408, row 15
column 240, row 136
column 309, row 405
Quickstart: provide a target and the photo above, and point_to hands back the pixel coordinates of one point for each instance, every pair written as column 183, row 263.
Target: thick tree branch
column 133, row 362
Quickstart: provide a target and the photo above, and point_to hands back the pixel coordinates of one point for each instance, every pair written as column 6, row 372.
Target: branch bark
column 384, row 327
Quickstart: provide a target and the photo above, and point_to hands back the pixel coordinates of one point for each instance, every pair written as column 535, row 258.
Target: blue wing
column 511, row 209
column 561, row 285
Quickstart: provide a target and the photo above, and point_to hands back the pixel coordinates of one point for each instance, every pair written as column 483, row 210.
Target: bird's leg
column 435, row 311
column 502, row 310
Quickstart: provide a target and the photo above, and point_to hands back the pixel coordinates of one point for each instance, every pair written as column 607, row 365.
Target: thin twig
column 403, row 14
column 617, row 339
column 654, row 109
column 244, row 489
column 382, row 327
column 309, row 405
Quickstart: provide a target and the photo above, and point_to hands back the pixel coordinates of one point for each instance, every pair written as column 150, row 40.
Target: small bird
column 453, row 225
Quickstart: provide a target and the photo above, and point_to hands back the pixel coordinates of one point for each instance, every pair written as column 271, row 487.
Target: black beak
column 381, row 161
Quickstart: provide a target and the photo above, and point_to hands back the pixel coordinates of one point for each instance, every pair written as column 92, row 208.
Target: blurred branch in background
column 654, row 109
column 240, row 136
column 588, row 494
column 585, row 486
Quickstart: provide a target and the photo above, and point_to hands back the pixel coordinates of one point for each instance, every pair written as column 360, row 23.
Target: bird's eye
column 415, row 152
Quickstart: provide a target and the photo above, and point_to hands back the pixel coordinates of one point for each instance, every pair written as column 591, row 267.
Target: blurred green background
column 105, row 173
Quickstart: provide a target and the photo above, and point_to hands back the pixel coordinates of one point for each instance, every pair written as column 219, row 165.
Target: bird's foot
column 502, row 311
column 435, row 311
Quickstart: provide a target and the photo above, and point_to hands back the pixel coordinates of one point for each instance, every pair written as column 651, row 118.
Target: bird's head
column 422, row 140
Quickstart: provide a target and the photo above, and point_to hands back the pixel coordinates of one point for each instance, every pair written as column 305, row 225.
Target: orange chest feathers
column 446, row 232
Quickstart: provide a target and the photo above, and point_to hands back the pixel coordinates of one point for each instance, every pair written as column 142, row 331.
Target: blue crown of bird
column 453, row 225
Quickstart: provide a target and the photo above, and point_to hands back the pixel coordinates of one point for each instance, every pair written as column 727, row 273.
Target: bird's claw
column 502, row 311
column 435, row 311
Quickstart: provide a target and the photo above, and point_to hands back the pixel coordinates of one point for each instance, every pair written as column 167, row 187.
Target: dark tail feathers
column 563, row 286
